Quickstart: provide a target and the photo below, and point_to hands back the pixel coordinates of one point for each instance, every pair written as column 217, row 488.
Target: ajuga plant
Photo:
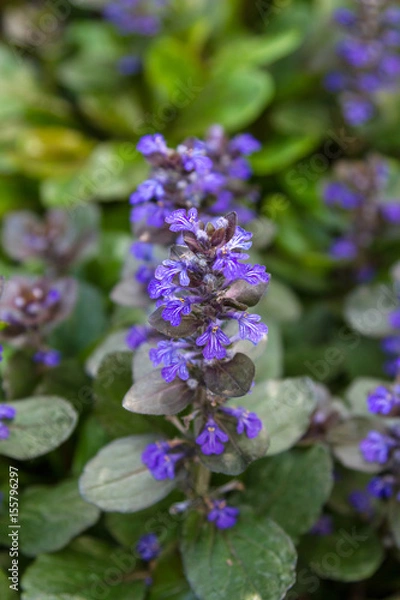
column 361, row 189
column 203, row 292
column 368, row 55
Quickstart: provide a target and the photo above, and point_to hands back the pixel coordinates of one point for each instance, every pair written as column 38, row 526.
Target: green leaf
column 15, row 385
column 256, row 50
column 86, row 324
column 283, row 151
column 267, row 356
column 291, row 488
column 50, row 516
column 188, row 325
column 113, row 381
column 232, row 378
column 41, row 425
column 117, row 480
column 168, row 74
column 234, row 100
column 86, row 570
column 255, row 559
column 394, row 520
column 367, row 310
column 285, row 408
column 351, row 553
column 152, row 395
column 169, row 582
column 114, row 342
column 280, row 303
column 5, row 592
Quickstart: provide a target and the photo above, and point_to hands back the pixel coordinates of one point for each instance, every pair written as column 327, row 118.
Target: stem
column 202, row 480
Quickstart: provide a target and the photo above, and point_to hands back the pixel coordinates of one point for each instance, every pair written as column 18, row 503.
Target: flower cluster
column 8, row 413
column 383, row 448
column 59, row 239
column 148, row 547
column 369, row 58
column 31, row 307
column 202, row 293
column 360, row 188
column 136, row 17
column 210, row 175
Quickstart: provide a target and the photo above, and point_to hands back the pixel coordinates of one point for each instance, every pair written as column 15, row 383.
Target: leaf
column 367, row 309
column 285, row 408
column 112, row 383
column 114, row 342
column 15, row 385
column 117, row 480
column 86, row 324
column 152, row 395
column 239, row 451
column 394, row 520
column 244, row 292
column 280, row 303
column 169, row 581
column 291, row 488
column 50, row 516
column 257, row 50
column 282, row 152
column 255, row 559
column 41, row 425
column 168, row 74
column 5, row 591
column 86, row 570
column 345, row 441
column 188, row 325
column 351, row 553
column 233, row 99
column 232, row 378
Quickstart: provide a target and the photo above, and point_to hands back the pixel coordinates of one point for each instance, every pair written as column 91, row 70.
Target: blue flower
column 175, row 309
column 136, row 336
column 345, row 17
column 161, row 460
column 194, row 157
column 255, row 274
column 147, row 190
column 148, row 547
column 245, row 144
column 250, row 327
column 212, row 438
column 130, row 64
column 214, row 340
column 381, row 487
column 152, row 144
column 338, row 193
column 381, row 400
column 357, row 110
column 222, row 515
column 9, row 413
column 376, row 447
column 323, row 527
column 246, row 421
column 49, row 358
column 343, row 249
column 360, row 500
column 182, row 220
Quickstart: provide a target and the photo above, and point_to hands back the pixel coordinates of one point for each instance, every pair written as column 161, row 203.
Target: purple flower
column 136, row 336
column 324, row 526
column 182, row 220
column 255, row 274
column 214, row 340
column 4, row 432
column 245, row 144
column 49, row 358
column 130, row 64
column 161, row 460
column 222, row 515
column 394, row 319
column 246, row 421
column 338, row 193
column 391, row 212
column 376, row 447
column 135, row 16
column 250, row 327
column 174, row 310
column 345, row 17
column 148, row 547
column 334, row 81
column 381, row 487
column 7, row 412
column 360, row 500
column 212, row 438
column 381, row 400
column 147, row 190
column 194, row 157
column 152, row 144
column 343, row 249
column 357, row 110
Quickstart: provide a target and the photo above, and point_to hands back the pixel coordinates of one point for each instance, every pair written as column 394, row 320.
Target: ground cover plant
column 200, row 300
